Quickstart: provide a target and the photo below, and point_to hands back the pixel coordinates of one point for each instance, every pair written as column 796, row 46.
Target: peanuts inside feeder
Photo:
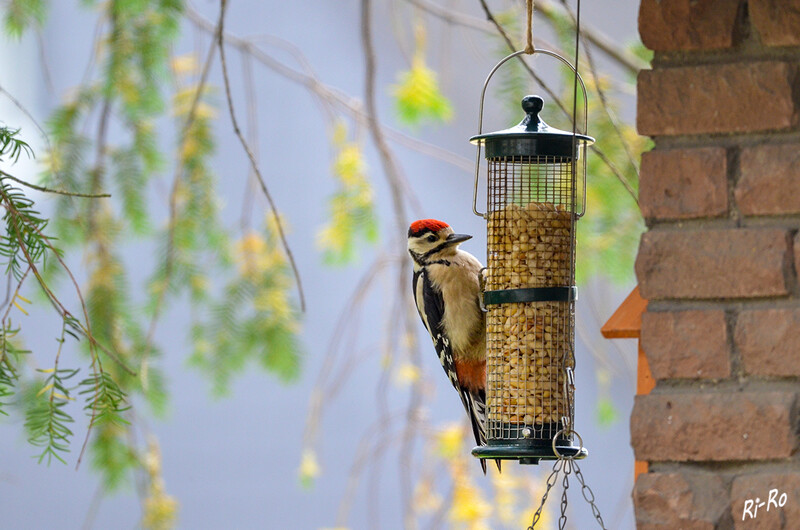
column 533, row 203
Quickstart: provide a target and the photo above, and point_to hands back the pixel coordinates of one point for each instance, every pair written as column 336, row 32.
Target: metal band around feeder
column 531, row 294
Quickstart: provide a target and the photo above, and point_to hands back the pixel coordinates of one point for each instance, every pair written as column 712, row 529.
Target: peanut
column 529, row 345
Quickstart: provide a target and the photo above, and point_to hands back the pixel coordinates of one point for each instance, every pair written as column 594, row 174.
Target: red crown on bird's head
column 418, row 228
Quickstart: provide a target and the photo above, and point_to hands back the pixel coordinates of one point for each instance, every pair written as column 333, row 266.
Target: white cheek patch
column 421, row 246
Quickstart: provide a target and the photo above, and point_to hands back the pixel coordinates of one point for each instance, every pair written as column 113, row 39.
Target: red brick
column 759, row 486
column 686, row 344
column 714, row 426
column 684, row 183
column 796, row 248
column 777, row 21
column 769, row 341
column 687, row 500
column 741, row 97
column 688, row 24
column 721, row 263
column 770, row 179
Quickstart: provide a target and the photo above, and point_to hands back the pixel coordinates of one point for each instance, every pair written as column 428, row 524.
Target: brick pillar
column 721, row 196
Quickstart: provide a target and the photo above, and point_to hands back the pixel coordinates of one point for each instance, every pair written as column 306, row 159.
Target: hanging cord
column 529, row 48
column 569, row 392
column 577, row 57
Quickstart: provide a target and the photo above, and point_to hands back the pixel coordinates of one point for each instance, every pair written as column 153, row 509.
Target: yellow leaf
column 449, row 440
column 309, row 467
column 184, row 64
column 407, row 374
column 418, row 96
column 205, row 111
column 339, row 133
column 16, row 304
column 469, row 506
column 44, row 389
column 23, row 299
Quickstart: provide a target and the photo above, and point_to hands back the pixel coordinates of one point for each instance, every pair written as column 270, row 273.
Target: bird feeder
column 536, row 193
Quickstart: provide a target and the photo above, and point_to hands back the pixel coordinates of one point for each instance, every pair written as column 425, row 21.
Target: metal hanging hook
column 480, row 122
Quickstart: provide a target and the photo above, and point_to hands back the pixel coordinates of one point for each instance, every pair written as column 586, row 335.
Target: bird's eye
column 432, row 238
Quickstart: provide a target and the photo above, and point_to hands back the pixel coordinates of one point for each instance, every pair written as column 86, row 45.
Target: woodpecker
column 446, row 290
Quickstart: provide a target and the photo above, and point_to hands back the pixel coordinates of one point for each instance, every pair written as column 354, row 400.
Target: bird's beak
column 455, row 239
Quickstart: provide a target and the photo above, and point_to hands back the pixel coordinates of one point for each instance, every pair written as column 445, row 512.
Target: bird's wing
column 430, row 305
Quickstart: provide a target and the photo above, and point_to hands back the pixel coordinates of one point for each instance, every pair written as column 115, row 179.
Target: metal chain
column 588, row 494
column 567, row 465
column 551, row 481
column 562, row 521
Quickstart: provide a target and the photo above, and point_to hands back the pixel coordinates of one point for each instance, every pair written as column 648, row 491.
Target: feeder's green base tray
column 529, row 455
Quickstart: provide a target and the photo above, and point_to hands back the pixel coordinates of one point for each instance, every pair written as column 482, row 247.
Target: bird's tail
column 475, row 403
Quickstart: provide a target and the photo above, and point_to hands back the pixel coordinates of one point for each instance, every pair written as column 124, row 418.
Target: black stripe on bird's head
column 430, row 239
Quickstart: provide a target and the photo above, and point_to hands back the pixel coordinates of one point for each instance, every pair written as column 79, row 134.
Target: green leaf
column 351, row 209
column 418, row 97
column 280, row 354
column 606, row 412
column 20, row 14
column 111, row 455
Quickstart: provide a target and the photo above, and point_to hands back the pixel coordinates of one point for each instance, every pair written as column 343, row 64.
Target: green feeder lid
column 532, row 137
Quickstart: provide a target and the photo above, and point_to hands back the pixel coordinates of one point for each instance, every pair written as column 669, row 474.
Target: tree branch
column 329, row 95
column 621, row 56
column 51, row 190
column 252, row 158
column 512, row 47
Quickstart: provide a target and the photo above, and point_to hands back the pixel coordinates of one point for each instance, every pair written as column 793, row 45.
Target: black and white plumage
column 446, row 291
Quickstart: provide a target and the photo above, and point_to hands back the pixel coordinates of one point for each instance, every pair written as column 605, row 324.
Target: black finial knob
column 532, row 105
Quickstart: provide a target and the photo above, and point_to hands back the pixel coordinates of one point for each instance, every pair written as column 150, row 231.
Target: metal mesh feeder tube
column 533, row 203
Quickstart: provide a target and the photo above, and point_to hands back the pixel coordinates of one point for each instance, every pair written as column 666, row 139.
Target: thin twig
column 388, row 162
column 56, row 303
column 9, row 278
column 381, row 435
column 325, row 392
column 621, row 56
column 98, row 30
column 86, row 331
column 27, row 113
column 56, row 191
column 512, row 47
column 548, row 10
column 94, row 506
column 453, row 17
column 251, row 156
column 611, row 116
column 251, row 119
column 16, row 292
column 393, row 175
column 617, row 173
column 97, row 176
column 173, row 194
column 201, row 84
column 48, row 79
column 327, row 93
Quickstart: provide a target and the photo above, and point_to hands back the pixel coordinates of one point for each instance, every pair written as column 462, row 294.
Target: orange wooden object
column 626, row 323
